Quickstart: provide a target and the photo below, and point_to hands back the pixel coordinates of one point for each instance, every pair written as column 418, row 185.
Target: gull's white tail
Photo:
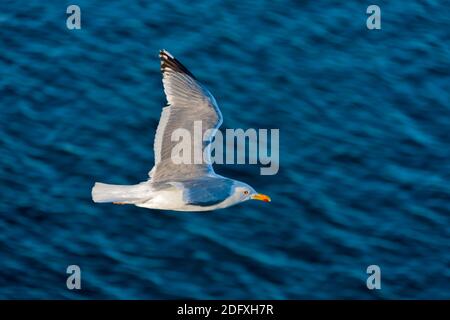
column 102, row 192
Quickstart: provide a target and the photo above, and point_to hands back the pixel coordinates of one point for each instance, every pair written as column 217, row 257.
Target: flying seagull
column 181, row 187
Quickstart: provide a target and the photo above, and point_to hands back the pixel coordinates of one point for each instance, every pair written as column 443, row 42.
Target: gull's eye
column 246, row 192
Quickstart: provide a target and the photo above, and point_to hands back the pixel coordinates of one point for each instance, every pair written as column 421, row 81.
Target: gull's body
column 181, row 187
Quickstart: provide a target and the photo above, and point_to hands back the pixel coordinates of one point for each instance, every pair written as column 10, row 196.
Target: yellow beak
column 261, row 197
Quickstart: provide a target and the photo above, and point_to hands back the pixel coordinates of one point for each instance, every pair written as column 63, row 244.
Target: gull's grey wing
column 187, row 101
column 205, row 191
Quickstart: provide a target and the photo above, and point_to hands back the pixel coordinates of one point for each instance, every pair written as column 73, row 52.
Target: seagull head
column 243, row 192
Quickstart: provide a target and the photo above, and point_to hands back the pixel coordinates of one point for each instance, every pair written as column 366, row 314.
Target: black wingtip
column 168, row 62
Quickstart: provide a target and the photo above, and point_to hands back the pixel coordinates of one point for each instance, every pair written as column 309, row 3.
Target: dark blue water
column 364, row 119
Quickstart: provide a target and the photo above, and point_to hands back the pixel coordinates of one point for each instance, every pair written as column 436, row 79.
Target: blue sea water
column 364, row 119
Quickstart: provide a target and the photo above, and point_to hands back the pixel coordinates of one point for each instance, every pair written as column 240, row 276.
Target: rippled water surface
column 364, row 123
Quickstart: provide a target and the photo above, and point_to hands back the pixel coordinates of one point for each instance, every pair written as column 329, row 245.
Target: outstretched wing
column 188, row 103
